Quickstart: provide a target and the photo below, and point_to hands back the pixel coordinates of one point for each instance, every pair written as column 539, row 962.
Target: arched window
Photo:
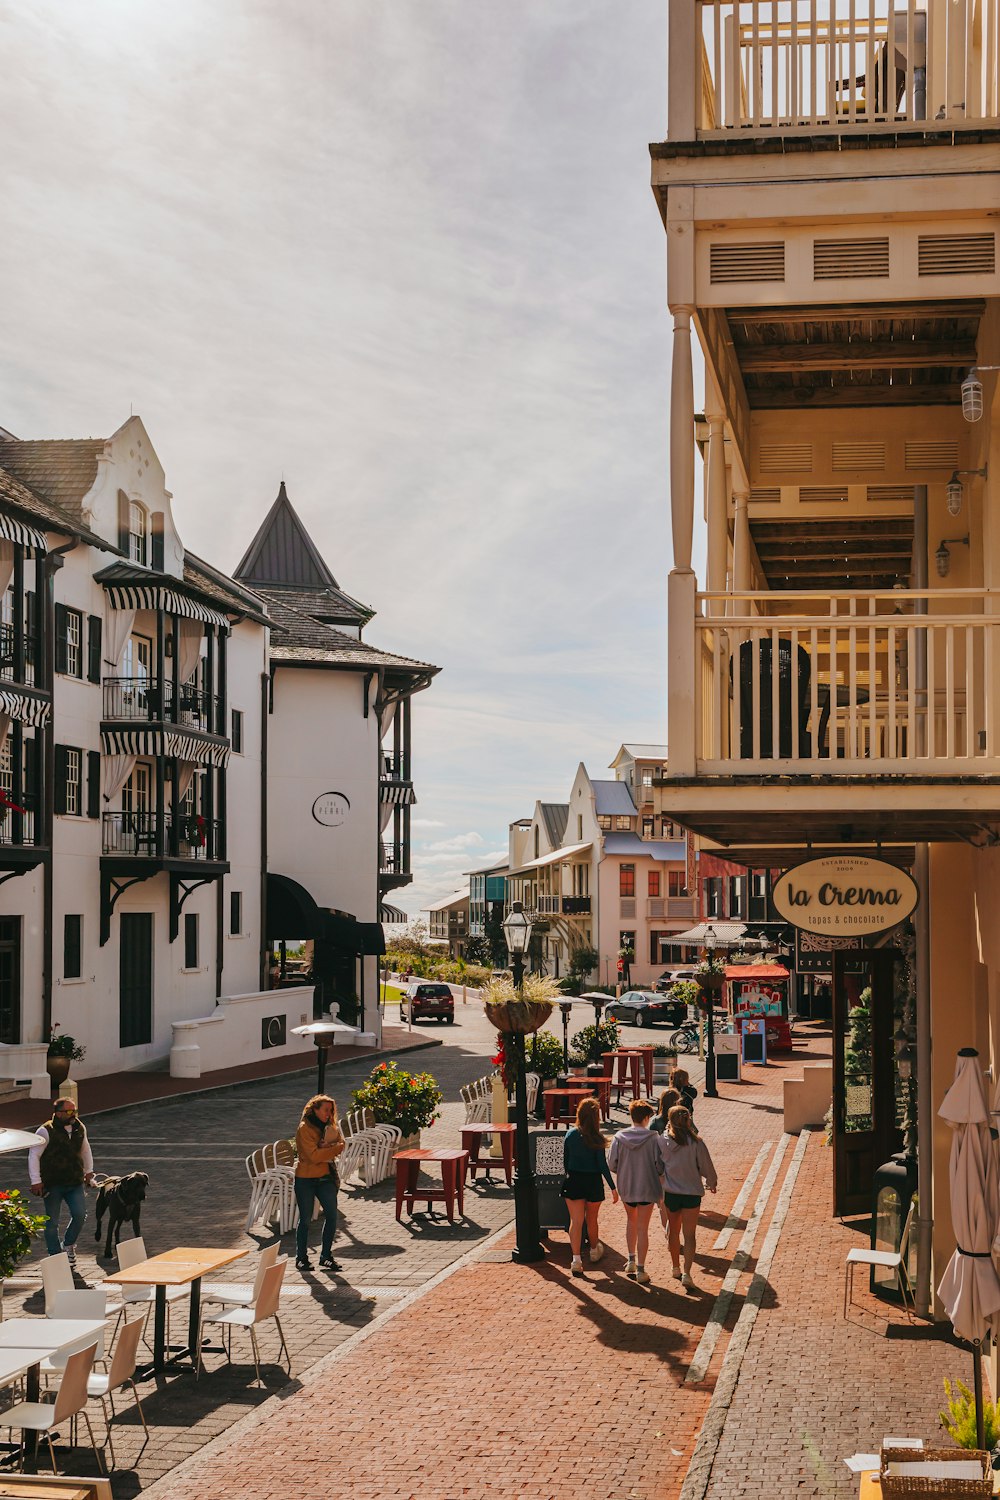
column 138, row 532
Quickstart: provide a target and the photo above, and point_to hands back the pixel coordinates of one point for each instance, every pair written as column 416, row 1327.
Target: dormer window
column 138, row 533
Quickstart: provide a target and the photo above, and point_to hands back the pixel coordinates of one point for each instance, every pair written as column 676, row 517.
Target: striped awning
column 387, row 913
column 156, row 741
column 396, row 794
column 23, row 536
column 157, row 596
column 24, row 708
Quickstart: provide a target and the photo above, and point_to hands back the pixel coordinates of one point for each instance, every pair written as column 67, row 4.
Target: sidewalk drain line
column 269, row 1410
column 736, row 1212
column 699, row 1472
column 703, row 1354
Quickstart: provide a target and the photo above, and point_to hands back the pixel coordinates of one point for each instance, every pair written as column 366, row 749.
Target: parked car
column 670, row 977
column 423, row 1001
column 644, row 1008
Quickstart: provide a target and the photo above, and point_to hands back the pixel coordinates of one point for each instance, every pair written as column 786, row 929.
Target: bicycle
column 686, row 1037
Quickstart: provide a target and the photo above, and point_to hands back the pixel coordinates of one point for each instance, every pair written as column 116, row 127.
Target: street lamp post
column 517, row 932
column 711, row 1092
column 566, row 1006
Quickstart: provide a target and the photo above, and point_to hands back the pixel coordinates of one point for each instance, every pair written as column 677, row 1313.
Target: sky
column 404, row 255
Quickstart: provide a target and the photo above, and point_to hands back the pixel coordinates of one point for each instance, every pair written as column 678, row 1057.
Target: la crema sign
column 845, row 895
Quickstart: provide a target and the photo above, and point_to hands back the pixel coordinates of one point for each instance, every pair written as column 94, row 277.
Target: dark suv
column 424, row 1000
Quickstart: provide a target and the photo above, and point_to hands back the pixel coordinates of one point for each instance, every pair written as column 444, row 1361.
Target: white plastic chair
column 889, row 1260
column 265, row 1308
column 130, row 1253
column 236, row 1293
column 57, row 1276
column 272, row 1191
column 84, row 1306
column 71, row 1401
column 122, row 1371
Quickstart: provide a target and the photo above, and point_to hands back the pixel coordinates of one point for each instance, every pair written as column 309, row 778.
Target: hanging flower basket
column 524, row 1016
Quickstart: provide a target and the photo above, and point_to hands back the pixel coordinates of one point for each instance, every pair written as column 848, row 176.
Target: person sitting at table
column 318, row 1142
column 585, row 1164
column 634, row 1159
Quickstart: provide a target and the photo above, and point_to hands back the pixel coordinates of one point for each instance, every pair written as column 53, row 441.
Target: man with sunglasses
column 59, row 1167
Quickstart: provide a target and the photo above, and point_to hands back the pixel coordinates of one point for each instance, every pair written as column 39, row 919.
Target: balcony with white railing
column 847, row 683
column 757, row 67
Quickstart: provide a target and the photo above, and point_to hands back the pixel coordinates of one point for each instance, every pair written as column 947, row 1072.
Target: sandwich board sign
column 754, row 1031
column 727, row 1058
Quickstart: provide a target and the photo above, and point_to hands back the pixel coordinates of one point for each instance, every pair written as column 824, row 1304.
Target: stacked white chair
column 377, row 1143
column 272, row 1188
column 478, row 1100
column 351, row 1159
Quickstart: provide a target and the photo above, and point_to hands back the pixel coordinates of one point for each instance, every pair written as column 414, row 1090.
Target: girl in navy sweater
column 586, row 1166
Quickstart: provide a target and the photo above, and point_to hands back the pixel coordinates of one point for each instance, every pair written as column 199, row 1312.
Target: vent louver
column 848, row 457
column 785, row 458
column 749, row 262
column 884, row 492
column 931, row 456
column 956, row 254
column 822, row 494
column 846, row 260
column 765, row 497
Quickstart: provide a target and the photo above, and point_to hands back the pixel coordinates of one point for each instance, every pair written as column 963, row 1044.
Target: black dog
column 121, row 1199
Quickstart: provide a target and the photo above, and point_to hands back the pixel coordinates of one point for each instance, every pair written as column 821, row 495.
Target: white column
column 741, row 546
column 682, row 442
column 718, row 507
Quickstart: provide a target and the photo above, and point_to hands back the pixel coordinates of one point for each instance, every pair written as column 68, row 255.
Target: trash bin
column 793, row 699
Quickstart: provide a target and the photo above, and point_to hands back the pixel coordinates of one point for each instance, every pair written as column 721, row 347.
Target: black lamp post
column 517, row 932
column 566, row 1006
column 711, row 1092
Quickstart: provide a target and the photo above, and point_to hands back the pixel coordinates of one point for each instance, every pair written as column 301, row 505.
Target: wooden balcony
column 757, row 67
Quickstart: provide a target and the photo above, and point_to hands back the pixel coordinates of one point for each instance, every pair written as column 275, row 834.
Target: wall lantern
column 955, row 490
column 972, row 393
column 942, row 557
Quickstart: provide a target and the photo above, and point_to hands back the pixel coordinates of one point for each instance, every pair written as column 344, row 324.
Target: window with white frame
column 73, row 760
column 74, row 637
column 138, row 528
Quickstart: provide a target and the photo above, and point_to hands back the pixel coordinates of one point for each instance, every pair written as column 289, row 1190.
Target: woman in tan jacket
column 318, row 1143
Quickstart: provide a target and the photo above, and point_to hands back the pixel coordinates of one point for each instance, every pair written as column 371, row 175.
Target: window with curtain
column 653, row 883
column 626, row 880
column 138, row 532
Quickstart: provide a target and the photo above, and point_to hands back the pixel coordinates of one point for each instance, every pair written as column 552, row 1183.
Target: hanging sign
column 845, row 895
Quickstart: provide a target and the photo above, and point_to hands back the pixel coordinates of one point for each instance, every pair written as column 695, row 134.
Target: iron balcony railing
column 394, row 859
column 136, row 834
column 10, row 640
column 17, row 825
column 142, row 698
column 576, row 906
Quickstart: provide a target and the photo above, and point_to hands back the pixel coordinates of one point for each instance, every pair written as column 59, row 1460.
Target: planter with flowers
column 18, row 1227
column 63, row 1049
column 395, row 1097
column 710, row 976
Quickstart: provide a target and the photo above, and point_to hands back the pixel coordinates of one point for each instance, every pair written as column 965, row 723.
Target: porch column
column 682, row 442
column 718, row 507
column 741, row 545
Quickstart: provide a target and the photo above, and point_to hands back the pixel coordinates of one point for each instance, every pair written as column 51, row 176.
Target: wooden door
column 864, row 1105
column 135, row 1023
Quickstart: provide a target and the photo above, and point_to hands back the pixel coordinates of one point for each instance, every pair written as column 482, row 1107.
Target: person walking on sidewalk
column 319, row 1140
column 680, row 1079
column 635, row 1160
column 59, row 1166
column 687, row 1170
column 665, row 1104
column 585, row 1163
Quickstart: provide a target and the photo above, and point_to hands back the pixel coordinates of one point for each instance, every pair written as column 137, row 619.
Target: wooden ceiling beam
column 971, row 307
column 848, row 567
column 812, row 398
column 836, row 530
column 884, row 355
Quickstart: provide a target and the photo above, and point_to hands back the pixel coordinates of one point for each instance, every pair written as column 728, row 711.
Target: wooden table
column 182, row 1267
column 561, row 1104
column 472, row 1140
column 453, row 1169
column 629, row 1060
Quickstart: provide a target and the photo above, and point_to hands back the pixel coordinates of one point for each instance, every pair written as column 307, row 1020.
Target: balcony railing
column 833, row 65
column 548, row 905
column 9, row 634
column 847, row 683
column 394, row 859
column 17, row 829
column 134, row 698
column 135, row 833
column 576, row 906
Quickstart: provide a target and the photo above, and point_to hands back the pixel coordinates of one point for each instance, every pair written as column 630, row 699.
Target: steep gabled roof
column 613, row 798
column 284, row 556
column 43, row 512
column 555, row 815
column 60, row 469
column 307, row 641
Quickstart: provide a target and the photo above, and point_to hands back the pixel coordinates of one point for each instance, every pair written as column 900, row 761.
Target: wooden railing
column 847, row 683
column 837, row 65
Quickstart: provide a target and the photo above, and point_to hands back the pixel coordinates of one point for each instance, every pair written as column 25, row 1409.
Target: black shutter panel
column 59, row 790
column 31, row 748
column 93, row 783
column 94, row 626
column 61, row 651
column 123, row 522
column 30, row 627
column 156, row 541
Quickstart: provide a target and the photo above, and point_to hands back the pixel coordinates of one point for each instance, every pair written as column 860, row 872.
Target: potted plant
column 18, row 1227
column 544, row 1056
column 582, row 1044
column 710, row 975
column 63, row 1049
column 526, row 1012
column 396, row 1097
column 664, row 1058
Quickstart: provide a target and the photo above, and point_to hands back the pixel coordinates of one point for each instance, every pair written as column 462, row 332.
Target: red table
column 629, row 1063
column 453, row 1168
column 645, row 1050
column 472, row 1140
column 561, row 1104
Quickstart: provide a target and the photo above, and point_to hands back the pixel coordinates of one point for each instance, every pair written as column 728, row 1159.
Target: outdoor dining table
column 472, row 1140
column 453, row 1168
column 561, row 1104
column 27, row 1341
column 182, row 1267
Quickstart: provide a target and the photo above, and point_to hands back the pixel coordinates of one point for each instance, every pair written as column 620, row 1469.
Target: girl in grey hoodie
column 634, row 1158
column 687, row 1171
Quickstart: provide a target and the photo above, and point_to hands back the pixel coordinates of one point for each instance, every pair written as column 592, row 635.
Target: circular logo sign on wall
column 845, row 895
column 331, row 809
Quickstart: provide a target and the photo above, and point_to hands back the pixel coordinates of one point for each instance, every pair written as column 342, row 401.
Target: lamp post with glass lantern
column 517, row 933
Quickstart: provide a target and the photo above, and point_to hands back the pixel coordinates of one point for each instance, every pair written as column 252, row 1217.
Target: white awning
column 24, row 536
column 729, row 935
column 157, row 596
column 24, row 707
column 557, row 857
column 156, row 741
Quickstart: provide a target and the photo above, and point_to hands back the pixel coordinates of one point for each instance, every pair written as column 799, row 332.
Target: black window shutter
column 62, row 656
column 156, row 541
column 59, row 790
column 31, row 773
column 123, row 522
column 94, row 626
column 93, row 783
column 30, row 626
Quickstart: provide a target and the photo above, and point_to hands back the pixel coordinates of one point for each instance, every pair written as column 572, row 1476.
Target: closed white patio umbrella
column 970, row 1286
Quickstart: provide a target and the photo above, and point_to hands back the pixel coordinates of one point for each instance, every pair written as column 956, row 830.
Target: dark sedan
column 643, row 1008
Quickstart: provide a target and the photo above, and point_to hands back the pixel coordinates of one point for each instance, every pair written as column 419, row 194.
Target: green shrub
column 395, row 1097
column 545, row 1055
column 580, row 1044
column 960, row 1418
column 18, row 1228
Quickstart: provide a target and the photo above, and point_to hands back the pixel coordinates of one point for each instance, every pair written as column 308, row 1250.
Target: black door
column 10, row 980
column 135, row 1024
column 865, row 1132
